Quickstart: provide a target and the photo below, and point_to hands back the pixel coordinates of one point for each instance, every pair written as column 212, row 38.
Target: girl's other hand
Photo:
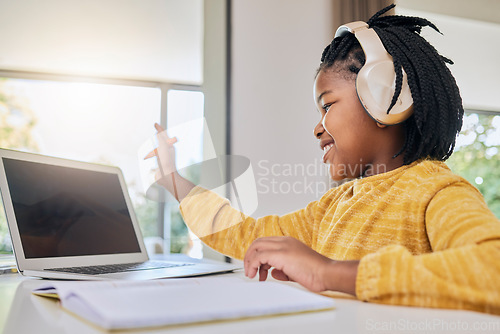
column 294, row 261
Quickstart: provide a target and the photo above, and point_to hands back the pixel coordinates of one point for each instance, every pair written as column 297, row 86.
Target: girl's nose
column 319, row 129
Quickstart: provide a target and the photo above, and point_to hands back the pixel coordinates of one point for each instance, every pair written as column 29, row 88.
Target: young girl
column 406, row 230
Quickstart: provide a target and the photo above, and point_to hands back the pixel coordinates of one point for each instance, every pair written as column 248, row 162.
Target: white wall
column 473, row 46
column 276, row 49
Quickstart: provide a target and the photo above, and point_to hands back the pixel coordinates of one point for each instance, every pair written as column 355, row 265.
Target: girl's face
column 353, row 143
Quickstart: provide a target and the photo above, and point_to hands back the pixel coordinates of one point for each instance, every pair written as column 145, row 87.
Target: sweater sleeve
column 231, row 232
column 462, row 272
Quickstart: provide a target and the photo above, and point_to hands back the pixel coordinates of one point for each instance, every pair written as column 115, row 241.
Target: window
column 102, row 123
column 185, row 121
column 477, row 157
column 138, row 71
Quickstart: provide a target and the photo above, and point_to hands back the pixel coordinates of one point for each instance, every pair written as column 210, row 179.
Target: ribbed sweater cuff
column 368, row 277
column 374, row 280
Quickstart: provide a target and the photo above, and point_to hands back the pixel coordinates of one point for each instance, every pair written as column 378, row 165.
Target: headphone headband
column 352, row 27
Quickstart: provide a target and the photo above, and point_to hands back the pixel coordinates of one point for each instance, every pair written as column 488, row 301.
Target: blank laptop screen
column 63, row 211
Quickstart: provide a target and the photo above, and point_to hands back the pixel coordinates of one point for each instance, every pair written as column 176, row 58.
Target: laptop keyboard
column 116, row 268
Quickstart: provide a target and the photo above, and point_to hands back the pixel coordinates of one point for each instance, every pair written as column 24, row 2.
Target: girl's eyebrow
column 322, row 94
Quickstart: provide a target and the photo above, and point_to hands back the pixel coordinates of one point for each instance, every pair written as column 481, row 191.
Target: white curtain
column 345, row 11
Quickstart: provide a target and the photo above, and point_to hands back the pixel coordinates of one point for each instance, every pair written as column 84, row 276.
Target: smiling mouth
column 326, row 149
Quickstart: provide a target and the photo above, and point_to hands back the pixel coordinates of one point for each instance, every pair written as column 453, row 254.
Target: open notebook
column 128, row 305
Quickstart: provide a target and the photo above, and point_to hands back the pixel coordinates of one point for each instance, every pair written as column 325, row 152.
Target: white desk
column 21, row 312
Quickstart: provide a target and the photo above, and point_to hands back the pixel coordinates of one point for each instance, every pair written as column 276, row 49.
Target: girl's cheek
column 327, row 122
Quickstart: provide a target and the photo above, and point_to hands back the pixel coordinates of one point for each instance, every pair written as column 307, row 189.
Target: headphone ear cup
column 375, row 85
column 376, row 80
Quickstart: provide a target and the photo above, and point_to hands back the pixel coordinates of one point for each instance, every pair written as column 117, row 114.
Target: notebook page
column 150, row 306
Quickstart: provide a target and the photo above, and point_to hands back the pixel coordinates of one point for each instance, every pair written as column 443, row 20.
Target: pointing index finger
column 159, row 128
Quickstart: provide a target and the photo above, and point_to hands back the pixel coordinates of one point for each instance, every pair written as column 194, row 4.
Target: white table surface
column 22, row 312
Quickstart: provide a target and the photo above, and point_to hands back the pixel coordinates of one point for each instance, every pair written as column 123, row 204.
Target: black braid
column 437, row 118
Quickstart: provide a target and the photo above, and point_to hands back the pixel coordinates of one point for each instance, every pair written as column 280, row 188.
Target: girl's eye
column 326, row 107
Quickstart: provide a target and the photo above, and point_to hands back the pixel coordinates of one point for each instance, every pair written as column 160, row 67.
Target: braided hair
column 432, row 129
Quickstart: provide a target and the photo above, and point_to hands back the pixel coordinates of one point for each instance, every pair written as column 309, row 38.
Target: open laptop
column 74, row 220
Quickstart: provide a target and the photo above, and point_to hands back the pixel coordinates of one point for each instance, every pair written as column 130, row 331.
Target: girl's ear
column 380, row 125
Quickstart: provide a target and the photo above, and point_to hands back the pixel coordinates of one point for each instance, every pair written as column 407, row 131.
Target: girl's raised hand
column 165, row 153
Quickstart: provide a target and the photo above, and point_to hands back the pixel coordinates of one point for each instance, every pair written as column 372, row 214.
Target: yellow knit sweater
column 424, row 235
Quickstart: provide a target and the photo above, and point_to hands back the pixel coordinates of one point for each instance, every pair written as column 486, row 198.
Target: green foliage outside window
column 478, row 159
column 16, row 122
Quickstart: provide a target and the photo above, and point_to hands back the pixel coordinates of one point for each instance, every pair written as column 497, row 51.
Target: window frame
column 163, row 217
column 481, row 111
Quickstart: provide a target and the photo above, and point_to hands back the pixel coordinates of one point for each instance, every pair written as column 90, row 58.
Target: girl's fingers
column 159, row 128
column 261, row 261
column 154, row 152
column 163, row 136
column 256, row 254
column 263, row 272
column 279, row 275
column 168, row 140
column 151, row 154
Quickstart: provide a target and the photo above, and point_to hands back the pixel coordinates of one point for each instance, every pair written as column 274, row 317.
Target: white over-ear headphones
column 376, row 81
